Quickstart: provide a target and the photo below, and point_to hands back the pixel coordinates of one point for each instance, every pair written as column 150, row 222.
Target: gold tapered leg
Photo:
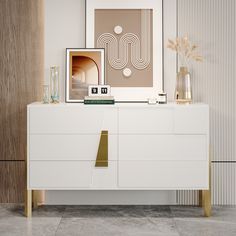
column 35, row 199
column 38, row 198
column 205, row 195
column 206, row 200
column 41, row 197
column 200, row 198
column 28, row 203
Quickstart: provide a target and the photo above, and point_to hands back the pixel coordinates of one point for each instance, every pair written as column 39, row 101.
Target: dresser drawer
column 71, row 120
column 163, row 147
column 163, row 174
column 104, row 177
column 191, row 119
column 146, row 120
column 71, row 175
column 69, row 147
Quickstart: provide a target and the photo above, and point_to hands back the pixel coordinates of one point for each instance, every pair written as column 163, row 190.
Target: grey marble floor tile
column 164, row 225
column 44, row 222
column 223, row 214
column 36, row 226
column 16, row 210
column 196, row 227
column 145, row 211
column 116, row 211
column 117, row 220
column 49, row 211
column 91, row 211
column 11, row 210
column 117, row 226
column 219, row 213
column 186, row 211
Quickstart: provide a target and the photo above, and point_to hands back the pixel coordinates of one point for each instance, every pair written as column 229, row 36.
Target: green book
column 97, row 102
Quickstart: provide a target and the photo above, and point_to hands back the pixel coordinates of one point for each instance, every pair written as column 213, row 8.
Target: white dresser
column 151, row 147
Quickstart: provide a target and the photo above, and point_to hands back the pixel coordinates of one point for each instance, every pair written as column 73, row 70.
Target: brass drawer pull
column 102, row 155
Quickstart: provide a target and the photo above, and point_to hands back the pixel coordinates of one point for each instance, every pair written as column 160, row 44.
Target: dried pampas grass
column 185, row 49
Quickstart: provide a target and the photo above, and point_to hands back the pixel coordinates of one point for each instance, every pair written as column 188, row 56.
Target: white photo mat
column 134, row 94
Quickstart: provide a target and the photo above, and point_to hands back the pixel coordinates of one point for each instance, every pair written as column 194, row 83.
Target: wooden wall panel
column 21, row 78
column 21, row 71
column 12, row 181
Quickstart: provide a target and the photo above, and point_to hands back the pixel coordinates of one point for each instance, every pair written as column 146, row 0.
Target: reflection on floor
column 117, row 220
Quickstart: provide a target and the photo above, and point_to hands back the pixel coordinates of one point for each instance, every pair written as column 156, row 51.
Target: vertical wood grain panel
column 12, row 181
column 211, row 24
column 21, row 71
column 21, row 74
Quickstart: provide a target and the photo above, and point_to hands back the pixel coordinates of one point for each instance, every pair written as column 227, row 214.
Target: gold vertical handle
column 102, row 155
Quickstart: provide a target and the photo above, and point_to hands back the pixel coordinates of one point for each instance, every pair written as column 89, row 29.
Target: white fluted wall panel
column 187, row 197
column 223, row 183
column 211, row 24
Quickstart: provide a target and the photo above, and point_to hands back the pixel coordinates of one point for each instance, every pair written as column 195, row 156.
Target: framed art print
column 131, row 34
column 84, row 67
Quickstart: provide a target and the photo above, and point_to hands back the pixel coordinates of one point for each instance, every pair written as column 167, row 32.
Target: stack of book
column 99, row 100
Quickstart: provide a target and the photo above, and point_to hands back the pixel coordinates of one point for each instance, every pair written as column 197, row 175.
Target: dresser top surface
column 117, row 105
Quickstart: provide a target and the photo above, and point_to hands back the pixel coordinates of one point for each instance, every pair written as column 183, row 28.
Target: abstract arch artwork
column 84, row 67
column 126, row 35
column 131, row 34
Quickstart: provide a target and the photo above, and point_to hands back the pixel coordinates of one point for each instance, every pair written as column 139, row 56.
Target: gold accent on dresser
column 205, row 201
column 33, row 198
column 38, row 198
column 205, row 195
column 200, row 198
column 102, row 155
column 28, row 203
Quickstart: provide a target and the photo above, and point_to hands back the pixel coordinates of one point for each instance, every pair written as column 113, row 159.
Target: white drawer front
column 69, row 147
column 71, row 175
column 145, row 120
column 163, row 174
column 163, row 147
column 191, row 119
column 103, row 177
column 60, row 174
column 64, row 120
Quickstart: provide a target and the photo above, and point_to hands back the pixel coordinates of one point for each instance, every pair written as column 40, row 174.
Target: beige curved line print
column 118, row 52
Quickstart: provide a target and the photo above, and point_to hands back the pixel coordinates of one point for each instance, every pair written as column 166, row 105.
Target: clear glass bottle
column 183, row 88
column 46, row 96
column 54, row 84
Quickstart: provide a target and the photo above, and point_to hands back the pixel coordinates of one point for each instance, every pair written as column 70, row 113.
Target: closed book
column 98, row 98
column 97, row 102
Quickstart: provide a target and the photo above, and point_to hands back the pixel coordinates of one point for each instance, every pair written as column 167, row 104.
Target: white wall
column 65, row 28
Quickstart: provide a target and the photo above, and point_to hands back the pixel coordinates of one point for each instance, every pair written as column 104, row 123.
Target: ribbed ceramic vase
column 183, row 89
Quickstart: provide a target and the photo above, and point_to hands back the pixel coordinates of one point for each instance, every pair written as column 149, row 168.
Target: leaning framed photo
column 131, row 34
column 84, row 67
